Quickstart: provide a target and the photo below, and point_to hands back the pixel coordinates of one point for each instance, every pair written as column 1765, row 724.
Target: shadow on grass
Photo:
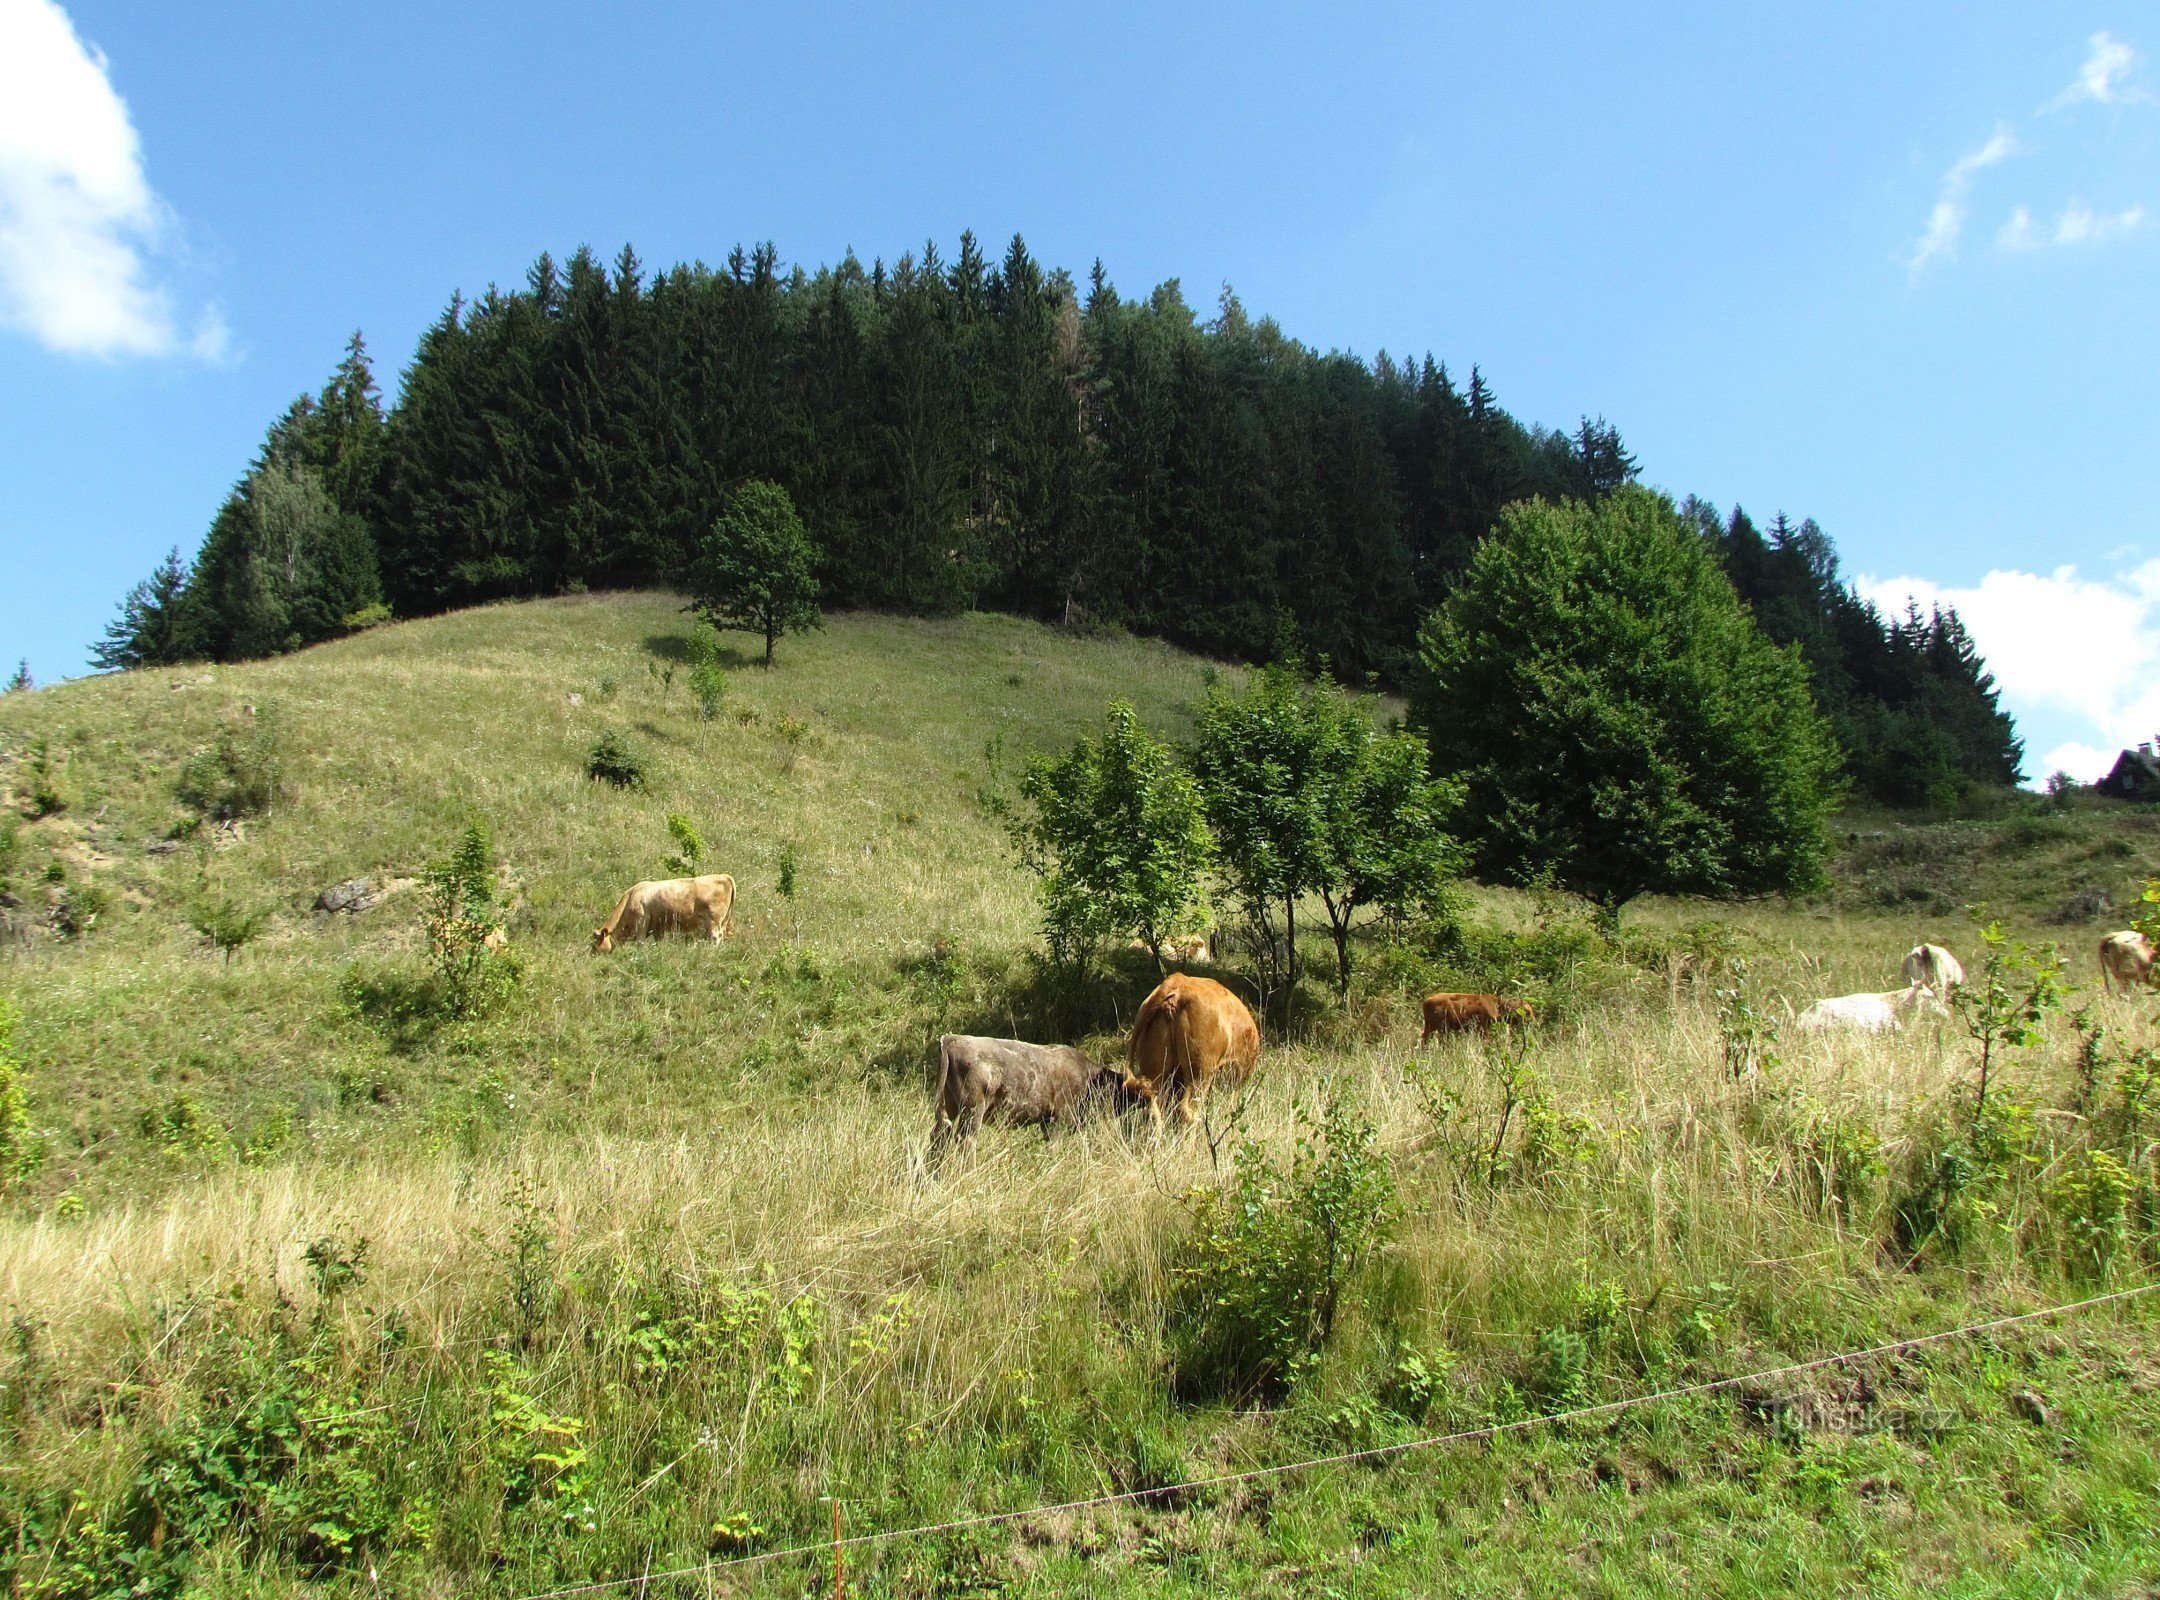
column 675, row 647
column 405, row 1008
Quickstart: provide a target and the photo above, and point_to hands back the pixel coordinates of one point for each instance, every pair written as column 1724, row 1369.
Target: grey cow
column 1009, row 1080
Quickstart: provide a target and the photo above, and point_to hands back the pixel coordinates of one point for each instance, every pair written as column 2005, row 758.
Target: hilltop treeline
column 962, row 435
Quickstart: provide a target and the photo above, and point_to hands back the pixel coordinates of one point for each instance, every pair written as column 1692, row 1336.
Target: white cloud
column 2062, row 648
column 79, row 221
column 2107, row 63
column 1946, row 222
column 2078, row 224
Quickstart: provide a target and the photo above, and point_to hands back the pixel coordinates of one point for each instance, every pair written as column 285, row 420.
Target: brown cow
column 1011, row 1081
column 1471, row 1013
column 659, row 907
column 2126, row 960
column 1187, row 1031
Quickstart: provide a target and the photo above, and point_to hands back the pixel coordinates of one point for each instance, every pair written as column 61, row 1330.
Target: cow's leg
column 971, row 1121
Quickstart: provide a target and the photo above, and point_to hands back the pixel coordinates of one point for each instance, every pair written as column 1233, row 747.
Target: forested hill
column 967, row 435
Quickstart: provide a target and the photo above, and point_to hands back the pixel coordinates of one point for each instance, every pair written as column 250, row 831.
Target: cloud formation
column 1947, row 221
column 2078, row 224
column 2107, row 63
column 2071, row 649
column 79, row 222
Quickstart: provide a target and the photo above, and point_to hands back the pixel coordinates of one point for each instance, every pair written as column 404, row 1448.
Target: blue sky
column 1891, row 267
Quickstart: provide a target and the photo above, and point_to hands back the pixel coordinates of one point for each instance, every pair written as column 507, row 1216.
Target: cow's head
column 603, row 940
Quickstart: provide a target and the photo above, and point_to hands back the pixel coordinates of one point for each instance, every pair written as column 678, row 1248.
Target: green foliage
column 1115, row 835
column 1266, row 761
column 44, row 796
column 689, row 857
column 1748, row 1030
column 474, row 970
column 241, row 772
column 1619, row 721
column 151, row 629
column 757, row 569
column 1271, row 1257
column 1913, row 708
column 615, row 760
column 1305, row 797
column 78, row 910
column 708, row 679
column 19, row 1148
column 538, row 1453
column 226, row 921
column 2007, row 1003
column 336, row 1264
column 20, row 681
column 789, row 864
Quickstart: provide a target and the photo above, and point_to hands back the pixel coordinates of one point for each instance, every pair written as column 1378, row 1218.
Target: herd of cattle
column 1190, row 1031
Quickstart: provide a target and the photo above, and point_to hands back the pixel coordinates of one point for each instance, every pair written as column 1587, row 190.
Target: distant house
column 2136, row 775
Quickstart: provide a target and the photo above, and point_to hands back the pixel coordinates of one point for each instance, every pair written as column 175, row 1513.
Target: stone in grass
column 2027, row 1406
column 354, row 895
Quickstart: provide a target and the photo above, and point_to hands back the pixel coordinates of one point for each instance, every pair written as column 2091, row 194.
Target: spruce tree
column 150, row 630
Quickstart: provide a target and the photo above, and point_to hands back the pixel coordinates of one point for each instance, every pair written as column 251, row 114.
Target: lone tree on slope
column 1620, row 723
column 757, row 569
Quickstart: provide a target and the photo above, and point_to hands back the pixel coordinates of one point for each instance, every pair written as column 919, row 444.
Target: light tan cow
column 1872, row 1013
column 1934, row 966
column 1188, row 1031
column 2126, row 960
column 1177, row 949
column 659, row 907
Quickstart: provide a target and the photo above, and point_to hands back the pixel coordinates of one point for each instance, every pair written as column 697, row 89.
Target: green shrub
column 474, row 969
column 19, row 1149
column 226, row 922
column 78, row 910
column 2091, row 1200
column 615, row 760
column 1270, row 1258
column 241, row 772
column 689, row 854
column 44, row 797
column 708, row 687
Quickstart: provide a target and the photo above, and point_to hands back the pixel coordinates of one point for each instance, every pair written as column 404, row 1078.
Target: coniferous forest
column 973, row 435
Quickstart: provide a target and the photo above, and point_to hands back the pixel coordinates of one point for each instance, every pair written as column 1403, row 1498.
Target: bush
column 44, row 797
column 689, row 854
column 1264, row 1274
column 227, row 923
column 1114, row 832
column 78, row 910
column 474, row 969
column 18, row 1147
column 615, row 760
column 241, row 773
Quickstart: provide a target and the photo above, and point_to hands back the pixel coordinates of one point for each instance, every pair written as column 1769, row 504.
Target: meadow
column 316, row 1288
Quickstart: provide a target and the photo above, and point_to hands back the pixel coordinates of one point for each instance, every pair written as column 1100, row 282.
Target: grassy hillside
column 313, row 1281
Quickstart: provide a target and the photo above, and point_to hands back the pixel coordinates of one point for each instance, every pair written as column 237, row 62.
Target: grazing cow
column 1870, row 1013
column 1187, row 1031
column 659, row 907
column 1934, row 966
column 2126, row 960
column 1471, row 1013
column 1011, row 1081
